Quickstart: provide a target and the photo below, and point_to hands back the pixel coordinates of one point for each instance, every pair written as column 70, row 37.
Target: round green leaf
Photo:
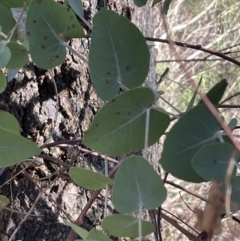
column 118, row 54
column 211, row 161
column 140, row 3
column 19, row 55
column 5, row 55
column 192, row 131
column 76, row 6
column 3, row 81
column 119, row 127
column 80, row 231
column 15, row 148
column 49, row 26
column 4, row 201
column 8, row 122
column 95, row 234
column 137, row 184
column 119, row 225
column 89, row 179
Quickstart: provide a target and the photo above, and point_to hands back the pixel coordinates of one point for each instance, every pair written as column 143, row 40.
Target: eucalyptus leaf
column 166, row 5
column 118, row 56
column 76, row 6
column 19, row 55
column 212, row 160
column 119, row 127
column 137, row 185
column 193, row 130
column 8, row 122
column 140, row 3
column 232, row 123
column 5, row 55
column 89, row 179
column 3, row 81
column 119, row 225
column 15, row 148
column 11, row 73
column 216, row 93
column 4, row 201
column 95, row 234
column 49, row 26
column 80, row 231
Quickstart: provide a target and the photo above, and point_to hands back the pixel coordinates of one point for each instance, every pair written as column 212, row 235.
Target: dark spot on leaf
column 45, row 37
column 28, row 33
column 68, row 9
column 71, row 17
column 57, row 56
column 214, row 161
column 129, row 113
column 43, row 46
column 34, row 21
column 127, row 68
column 118, row 113
column 107, row 81
column 108, row 73
column 68, row 28
column 113, row 100
column 97, row 125
column 73, row 25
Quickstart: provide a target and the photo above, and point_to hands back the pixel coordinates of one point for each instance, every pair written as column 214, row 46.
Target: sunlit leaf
column 19, row 55
column 119, row 225
column 5, row 55
column 119, row 127
column 49, row 26
column 15, row 148
column 211, row 161
column 89, row 179
column 80, row 231
column 8, row 122
column 97, row 235
column 4, row 201
column 76, row 6
column 118, row 54
column 195, row 129
column 136, row 185
column 3, row 81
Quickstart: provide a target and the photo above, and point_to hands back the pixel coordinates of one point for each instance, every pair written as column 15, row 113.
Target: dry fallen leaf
column 209, row 219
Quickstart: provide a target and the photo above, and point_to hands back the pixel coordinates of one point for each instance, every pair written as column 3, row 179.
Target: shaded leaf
column 232, row 124
column 119, row 127
column 137, row 184
column 11, row 73
column 19, row 55
column 4, row 201
column 119, row 225
column 140, row 3
column 192, row 131
column 211, row 161
column 118, row 54
column 8, row 122
column 97, row 235
column 80, row 231
column 235, row 182
column 89, row 179
column 156, row 2
column 216, row 93
column 76, row 6
column 3, row 81
column 5, row 55
column 15, row 148
column 49, row 26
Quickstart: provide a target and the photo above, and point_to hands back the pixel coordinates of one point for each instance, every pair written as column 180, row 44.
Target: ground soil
column 32, row 99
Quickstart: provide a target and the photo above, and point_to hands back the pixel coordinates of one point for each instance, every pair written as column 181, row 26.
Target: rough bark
column 31, row 98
